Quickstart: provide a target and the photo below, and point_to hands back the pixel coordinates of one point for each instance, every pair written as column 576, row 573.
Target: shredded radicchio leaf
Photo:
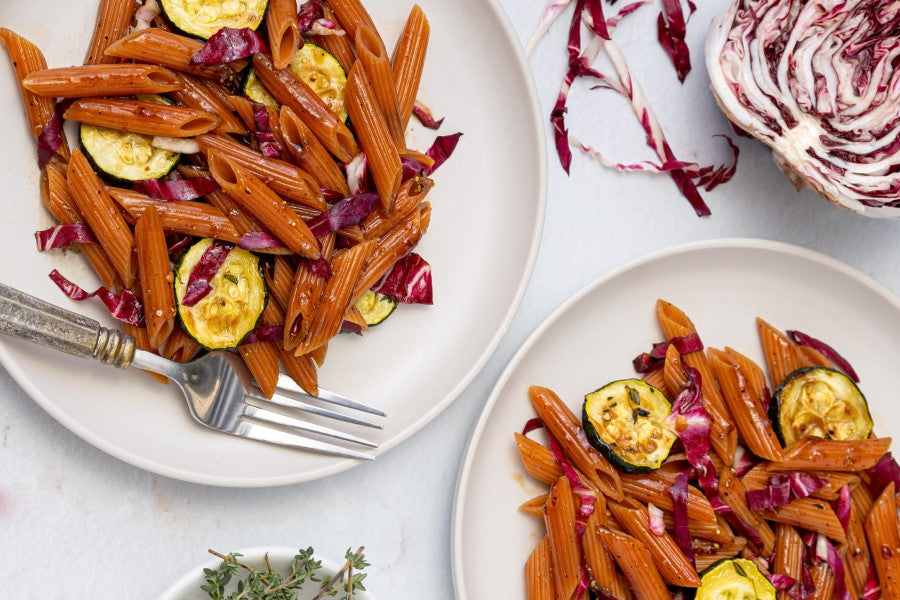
column 884, row 472
column 425, row 116
column 258, row 240
column 264, row 333
column 842, row 509
column 782, row 489
column 351, row 327
column 309, row 12
column 827, row 351
column 692, row 424
column 145, row 14
column 681, row 534
column 320, row 267
column 409, row 280
column 50, row 139
column 826, row 551
column 345, row 213
column 743, row 461
column 325, row 27
column 650, row 361
column 229, row 44
column 873, row 589
column 686, row 175
column 198, row 285
column 441, row 149
column 657, row 524
column 671, row 27
column 356, row 170
column 263, row 136
column 63, row 235
column 123, row 306
column 780, row 581
column 176, row 189
column 412, row 168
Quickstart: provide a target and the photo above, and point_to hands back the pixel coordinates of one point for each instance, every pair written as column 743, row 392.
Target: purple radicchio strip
column 425, row 116
column 227, row 45
column 345, row 213
column 63, row 235
column 441, row 149
column 357, row 170
column 782, row 489
column 198, row 285
column 325, row 27
column 872, row 590
column 657, row 524
column 412, row 168
column 258, row 240
column 409, row 280
column 842, row 508
column 331, row 195
column 681, row 533
column 671, row 29
column 123, row 306
column 351, row 327
column 655, row 359
column 176, row 189
column 264, row 333
column 309, row 12
column 320, row 267
column 827, row 351
column 50, row 140
column 743, row 462
column 145, row 14
column 884, row 472
column 692, row 424
column 263, row 136
column 180, row 244
column 780, row 581
column 826, row 551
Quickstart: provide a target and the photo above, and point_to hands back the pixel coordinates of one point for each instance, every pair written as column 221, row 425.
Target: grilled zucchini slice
column 232, row 308
column 624, row 420
column 734, row 579
column 202, row 18
column 375, row 307
column 820, row 402
column 318, row 69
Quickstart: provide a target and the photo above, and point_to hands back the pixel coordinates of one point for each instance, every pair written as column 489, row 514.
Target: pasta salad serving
column 242, row 178
column 709, row 476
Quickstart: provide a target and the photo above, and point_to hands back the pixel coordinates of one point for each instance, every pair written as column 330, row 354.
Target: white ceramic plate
column 188, row 585
column 591, row 339
column 488, row 208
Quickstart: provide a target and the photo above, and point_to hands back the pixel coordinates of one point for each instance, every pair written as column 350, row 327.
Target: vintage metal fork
column 219, row 389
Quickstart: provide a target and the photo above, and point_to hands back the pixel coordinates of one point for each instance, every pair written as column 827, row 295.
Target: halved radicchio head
column 816, row 81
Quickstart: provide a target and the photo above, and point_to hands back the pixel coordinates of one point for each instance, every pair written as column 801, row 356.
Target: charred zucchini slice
column 122, row 156
column 821, row 402
column 202, row 18
column 223, row 317
column 318, row 69
column 375, row 307
column 624, row 420
column 734, row 579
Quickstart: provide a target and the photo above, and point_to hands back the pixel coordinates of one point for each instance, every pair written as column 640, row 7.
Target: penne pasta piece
column 26, row 58
column 113, row 18
column 745, row 405
column 409, row 61
column 657, row 379
column 291, row 91
column 262, row 360
column 155, row 277
column 676, row 323
column 257, row 199
column 305, row 293
column 565, row 427
column 246, row 111
column 351, row 15
column 102, row 216
column 654, row 488
column 319, row 353
column 338, row 46
column 670, row 561
column 376, row 63
column 823, row 582
column 600, row 564
column 285, row 179
column 636, row 564
column 102, row 80
column 861, row 499
column 148, row 118
column 278, row 280
column 190, row 218
column 374, row 136
column 834, row 455
column 733, row 494
column 782, row 356
column 559, row 518
column 180, row 347
column 858, row 559
column 535, row 506
column 308, row 152
column 884, row 542
column 302, row 369
column 194, row 94
column 336, row 297
column 538, row 460
column 395, row 244
column 412, row 193
column 758, row 477
column 56, row 198
column 284, row 31
column 716, row 531
column 811, row 514
column 538, row 582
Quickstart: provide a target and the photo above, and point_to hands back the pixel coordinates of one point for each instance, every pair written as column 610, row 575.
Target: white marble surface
column 76, row 523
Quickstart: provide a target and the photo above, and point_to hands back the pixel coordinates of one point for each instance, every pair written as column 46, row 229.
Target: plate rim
column 519, row 65
column 746, row 243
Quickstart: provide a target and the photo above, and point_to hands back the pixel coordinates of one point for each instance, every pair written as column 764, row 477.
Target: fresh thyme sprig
column 270, row 584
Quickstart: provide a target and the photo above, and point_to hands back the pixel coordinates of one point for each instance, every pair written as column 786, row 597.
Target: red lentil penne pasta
column 102, row 80
column 654, row 488
column 704, row 560
column 190, row 218
column 810, row 514
column 278, row 279
column 194, row 94
column 374, row 59
column 102, row 216
column 291, row 91
column 395, row 244
column 245, row 110
column 858, row 558
column 257, row 199
column 113, row 18
column 26, row 59
column 410, row 196
column 884, row 541
column 835, row 455
column 155, row 276
column 409, row 61
column 374, row 136
column 262, row 360
column 308, row 152
column 284, row 31
column 733, row 494
column 305, row 292
column 351, row 14
column 535, row 506
column 823, row 582
column 657, row 379
column 559, row 517
column 636, row 563
column 138, row 116
column 601, row 565
column 156, row 46
column 538, row 460
column 538, row 582
column 180, row 347
column 782, row 356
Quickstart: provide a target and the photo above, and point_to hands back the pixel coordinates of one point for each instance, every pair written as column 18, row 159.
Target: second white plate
column 591, row 339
